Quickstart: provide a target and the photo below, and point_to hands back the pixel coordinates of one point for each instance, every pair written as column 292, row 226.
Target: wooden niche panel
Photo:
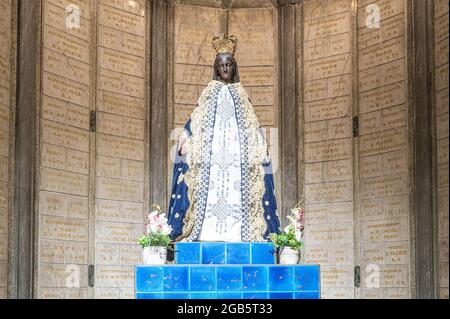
column 441, row 122
column 193, row 56
column 328, row 152
column 383, row 152
column 64, row 152
column 7, row 34
column 119, row 176
column 256, row 55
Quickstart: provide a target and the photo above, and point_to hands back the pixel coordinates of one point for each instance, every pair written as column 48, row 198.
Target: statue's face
column 225, row 68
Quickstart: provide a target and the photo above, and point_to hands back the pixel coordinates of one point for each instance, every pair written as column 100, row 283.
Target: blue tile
column 202, row 278
column 255, row 278
column 307, row 295
column 306, row 278
column 202, row 295
column 176, row 278
column 281, row 278
column 281, row 295
column 255, row 295
column 187, row 253
column 238, row 253
column 229, row 278
column 213, row 253
column 149, row 278
column 229, row 295
column 228, row 282
column 263, row 253
column 176, row 295
column 149, row 295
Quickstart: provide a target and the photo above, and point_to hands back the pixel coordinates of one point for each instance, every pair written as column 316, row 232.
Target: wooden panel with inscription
column 328, row 150
column 119, row 173
column 194, row 55
column 64, row 151
column 384, row 202
column 69, row 187
column 256, row 55
column 441, row 38
column 6, row 132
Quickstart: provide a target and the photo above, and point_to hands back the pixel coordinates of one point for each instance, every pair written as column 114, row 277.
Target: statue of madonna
column 223, row 186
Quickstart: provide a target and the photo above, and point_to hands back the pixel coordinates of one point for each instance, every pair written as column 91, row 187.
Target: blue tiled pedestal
column 227, row 271
column 228, row 281
column 224, row 253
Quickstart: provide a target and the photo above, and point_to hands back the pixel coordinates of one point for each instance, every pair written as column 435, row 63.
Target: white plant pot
column 289, row 256
column 155, row 255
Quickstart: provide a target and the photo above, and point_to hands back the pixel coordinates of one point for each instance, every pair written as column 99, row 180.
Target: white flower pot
column 289, row 256
column 155, row 255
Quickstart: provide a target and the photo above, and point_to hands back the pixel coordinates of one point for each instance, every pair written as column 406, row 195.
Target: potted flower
column 289, row 241
column 156, row 238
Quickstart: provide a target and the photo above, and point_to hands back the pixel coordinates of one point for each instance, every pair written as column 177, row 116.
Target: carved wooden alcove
column 87, row 117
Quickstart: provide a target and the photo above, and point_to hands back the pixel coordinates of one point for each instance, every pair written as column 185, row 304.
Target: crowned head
column 225, row 44
column 225, row 65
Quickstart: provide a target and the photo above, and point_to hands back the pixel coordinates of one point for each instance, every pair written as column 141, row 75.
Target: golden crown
column 225, row 44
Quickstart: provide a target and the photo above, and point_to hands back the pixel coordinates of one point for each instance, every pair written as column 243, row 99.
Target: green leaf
column 155, row 239
column 286, row 240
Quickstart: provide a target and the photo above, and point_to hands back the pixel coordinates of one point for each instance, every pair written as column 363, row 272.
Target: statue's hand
column 183, row 146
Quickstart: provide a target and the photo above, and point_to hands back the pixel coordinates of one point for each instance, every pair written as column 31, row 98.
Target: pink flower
column 155, row 227
column 157, row 222
column 157, row 217
column 153, row 216
column 164, row 229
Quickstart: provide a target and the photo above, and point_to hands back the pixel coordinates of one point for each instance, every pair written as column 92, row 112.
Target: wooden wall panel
column 7, row 133
column 120, row 149
column 62, row 241
column 441, row 11
column 385, row 210
column 328, row 149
